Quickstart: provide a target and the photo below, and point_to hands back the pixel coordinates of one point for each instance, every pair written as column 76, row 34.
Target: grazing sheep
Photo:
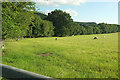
column 95, row 38
column 104, row 36
column 18, row 39
column 72, row 35
column 56, row 38
column 2, row 47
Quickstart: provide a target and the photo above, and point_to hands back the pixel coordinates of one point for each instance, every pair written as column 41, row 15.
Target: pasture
column 68, row 57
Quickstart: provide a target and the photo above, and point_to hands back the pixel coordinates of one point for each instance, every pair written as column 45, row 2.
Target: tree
column 113, row 28
column 89, row 29
column 83, row 30
column 104, row 28
column 42, row 27
column 96, row 30
column 16, row 17
column 62, row 22
column 108, row 28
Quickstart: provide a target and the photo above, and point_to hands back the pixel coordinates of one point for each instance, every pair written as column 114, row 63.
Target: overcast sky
column 83, row 10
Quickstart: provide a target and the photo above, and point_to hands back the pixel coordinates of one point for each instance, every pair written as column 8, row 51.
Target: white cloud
column 47, row 11
column 67, row 2
column 70, row 11
column 102, row 1
column 59, row 2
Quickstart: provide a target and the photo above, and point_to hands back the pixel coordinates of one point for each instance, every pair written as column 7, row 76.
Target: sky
column 83, row 10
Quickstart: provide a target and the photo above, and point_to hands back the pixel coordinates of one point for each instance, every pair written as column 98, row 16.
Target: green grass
column 73, row 57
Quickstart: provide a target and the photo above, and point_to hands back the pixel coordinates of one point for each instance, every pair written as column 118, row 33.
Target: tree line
column 20, row 19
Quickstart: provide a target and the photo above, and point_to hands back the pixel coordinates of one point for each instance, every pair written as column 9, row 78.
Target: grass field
column 68, row 57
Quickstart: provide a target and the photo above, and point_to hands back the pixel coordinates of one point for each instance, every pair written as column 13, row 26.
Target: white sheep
column 17, row 39
column 72, row 35
column 2, row 47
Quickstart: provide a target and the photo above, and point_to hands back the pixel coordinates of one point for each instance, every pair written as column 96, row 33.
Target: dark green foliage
column 85, row 24
column 108, row 28
column 62, row 22
column 103, row 27
column 42, row 27
column 94, row 28
column 89, row 29
column 19, row 19
column 43, row 16
column 16, row 17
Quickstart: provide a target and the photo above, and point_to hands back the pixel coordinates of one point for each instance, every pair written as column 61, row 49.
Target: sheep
column 95, row 37
column 2, row 47
column 56, row 38
column 104, row 36
column 17, row 39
